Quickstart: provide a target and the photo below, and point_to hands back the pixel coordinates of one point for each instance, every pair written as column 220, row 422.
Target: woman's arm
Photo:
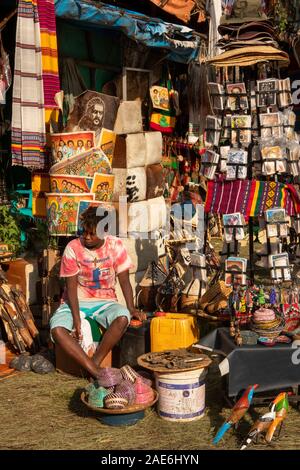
column 72, row 284
column 128, row 295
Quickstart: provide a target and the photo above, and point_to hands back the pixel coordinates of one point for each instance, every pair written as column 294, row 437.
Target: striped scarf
column 28, row 119
column 250, row 198
column 46, row 10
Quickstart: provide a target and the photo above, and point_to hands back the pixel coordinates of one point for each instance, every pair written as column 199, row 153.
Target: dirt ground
column 45, row 412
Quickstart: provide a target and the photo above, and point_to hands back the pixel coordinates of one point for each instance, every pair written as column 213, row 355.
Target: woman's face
column 90, row 239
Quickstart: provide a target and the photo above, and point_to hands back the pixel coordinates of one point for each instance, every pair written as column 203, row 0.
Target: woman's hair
column 89, row 218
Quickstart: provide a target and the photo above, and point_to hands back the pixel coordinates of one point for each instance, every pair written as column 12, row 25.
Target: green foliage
column 281, row 15
column 9, row 230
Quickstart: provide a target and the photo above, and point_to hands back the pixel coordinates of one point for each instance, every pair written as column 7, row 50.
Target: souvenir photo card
column 230, row 221
column 240, row 130
column 274, row 160
column 271, row 125
column 209, row 162
column 216, row 91
column 276, row 222
column 213, row 130
column 266, row 92
column 224, row 158
column 284, row 95
column 235, row 270
column 281, row 270
column 236, row 164
column 237, row 97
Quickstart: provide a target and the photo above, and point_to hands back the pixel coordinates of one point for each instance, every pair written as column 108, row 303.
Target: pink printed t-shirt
column 96, row 269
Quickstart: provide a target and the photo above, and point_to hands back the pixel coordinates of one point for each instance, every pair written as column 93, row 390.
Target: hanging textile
column 28, row 119
column 250, row 198
column 72, row 85
column 46, row 11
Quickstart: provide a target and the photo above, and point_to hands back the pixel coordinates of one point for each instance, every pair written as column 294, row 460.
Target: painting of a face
column 97, row 113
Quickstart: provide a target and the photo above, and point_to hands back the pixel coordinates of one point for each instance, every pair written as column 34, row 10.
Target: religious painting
column 93, row 111
column 40, row 184
column 62, row 212
column 66, row 145
column 107, row 143
column 160, row 98
column 103, row 187
column 84, row 205
column 86, row 164
column 70, row 184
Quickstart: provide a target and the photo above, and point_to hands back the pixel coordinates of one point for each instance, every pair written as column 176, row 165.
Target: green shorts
column 103, row 312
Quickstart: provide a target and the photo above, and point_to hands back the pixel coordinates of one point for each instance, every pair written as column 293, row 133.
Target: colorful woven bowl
column 109, row 377
column 115, row 401
column 127, row 390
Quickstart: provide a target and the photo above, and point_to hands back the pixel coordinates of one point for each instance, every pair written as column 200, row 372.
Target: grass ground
column 45, row 412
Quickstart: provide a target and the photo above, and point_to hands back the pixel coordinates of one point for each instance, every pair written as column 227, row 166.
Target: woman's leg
column 71, row 347
column 110, row 338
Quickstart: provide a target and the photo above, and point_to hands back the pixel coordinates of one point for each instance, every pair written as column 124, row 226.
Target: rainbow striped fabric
column 46, row 10
column 35, row 82
column 28, row 119
column 250, row 198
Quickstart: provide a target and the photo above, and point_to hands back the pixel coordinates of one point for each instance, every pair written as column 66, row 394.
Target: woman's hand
column 76, row 332
column 137, row 314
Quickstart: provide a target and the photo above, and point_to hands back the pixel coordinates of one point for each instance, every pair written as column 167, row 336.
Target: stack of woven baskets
column 215, row 298
column 266, row 323
column 119, row 388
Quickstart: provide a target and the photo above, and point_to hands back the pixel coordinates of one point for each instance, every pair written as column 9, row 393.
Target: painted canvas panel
column 66, row 145
column 62, row 212
column 39, row 205
column 86, row 164
column 107, row 143
column 160, row 97
column 93, row 111
column 103, row 187
column 84, row 204
column 40, row 182
column 70, row 184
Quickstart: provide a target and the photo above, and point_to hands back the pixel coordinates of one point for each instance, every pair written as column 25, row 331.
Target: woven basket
column 215, row 306
column 216, row 293
column 271, row 333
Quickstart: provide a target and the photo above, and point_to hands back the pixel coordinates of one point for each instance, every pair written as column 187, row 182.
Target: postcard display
column 251, row 136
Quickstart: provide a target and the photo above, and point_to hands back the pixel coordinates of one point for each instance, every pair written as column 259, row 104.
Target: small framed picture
column 274, row 160
column 271, row 125
column 213, row 130
column 284, row 95
column 230, row 221
column 276, row 222
column 223, row 158
column 209, row 163
column 241, row 130
column 216, row 91
column 281, row 270
column 235, row 270
column 267, row 91
column 236, row 164
column 237, row 97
